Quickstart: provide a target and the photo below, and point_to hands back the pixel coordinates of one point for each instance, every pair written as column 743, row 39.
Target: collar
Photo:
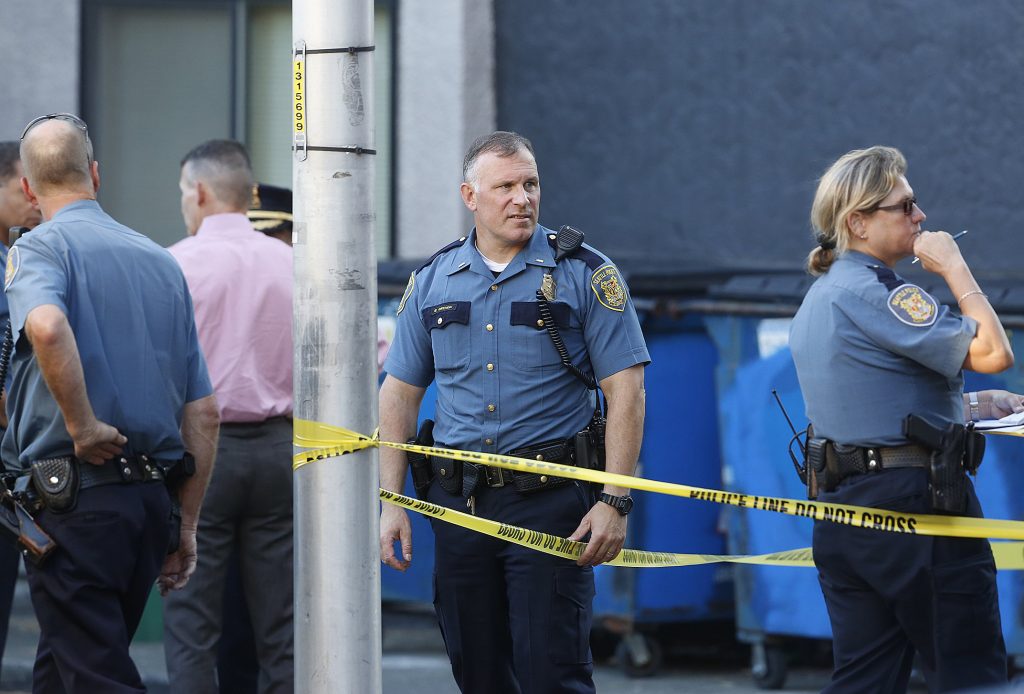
column 87, row 204
column 537, row 251
column 861, row 258
column 225, row 223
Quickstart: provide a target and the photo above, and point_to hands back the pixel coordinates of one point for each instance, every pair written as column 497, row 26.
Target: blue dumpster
column 680, row 445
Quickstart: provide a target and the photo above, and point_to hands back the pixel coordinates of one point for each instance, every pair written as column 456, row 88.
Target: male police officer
column 513, row 620
column 15, row 210
column 110, row 388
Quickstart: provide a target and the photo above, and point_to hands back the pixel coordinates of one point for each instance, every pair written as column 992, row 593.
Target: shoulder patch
column 454, row 244
column 608, row 287
column 408, row 292
column 913, row 306
column 887, row 277
column 13, row 265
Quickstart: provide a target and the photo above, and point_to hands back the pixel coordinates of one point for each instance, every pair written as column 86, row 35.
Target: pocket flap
column 442, row 314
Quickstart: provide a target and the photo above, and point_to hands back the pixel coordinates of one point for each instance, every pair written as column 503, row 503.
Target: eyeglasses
column 907, row 207
column 69, row 117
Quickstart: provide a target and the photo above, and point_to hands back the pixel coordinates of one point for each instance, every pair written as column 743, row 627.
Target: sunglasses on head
column 69, row 117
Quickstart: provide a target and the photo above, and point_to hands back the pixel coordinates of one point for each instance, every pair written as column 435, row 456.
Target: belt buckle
column 494, row 476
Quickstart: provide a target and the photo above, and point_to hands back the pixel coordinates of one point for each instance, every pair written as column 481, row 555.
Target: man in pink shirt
column 241, row 284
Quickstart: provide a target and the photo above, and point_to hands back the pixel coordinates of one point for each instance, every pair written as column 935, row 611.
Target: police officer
column 871, row 348
column 109, row 385
column 513, row 620
column 15, row 210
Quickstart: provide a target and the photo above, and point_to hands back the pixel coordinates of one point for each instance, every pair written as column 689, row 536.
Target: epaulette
column 593, row 260
column 887, row 277
column 454, row 244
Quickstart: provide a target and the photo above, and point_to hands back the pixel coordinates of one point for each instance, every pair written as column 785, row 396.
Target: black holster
column 823, row 473
column 956, row 450
column 419, row 463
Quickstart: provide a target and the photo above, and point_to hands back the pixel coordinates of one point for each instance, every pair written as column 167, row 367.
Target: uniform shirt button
column 488, row 441
column 490, row 327
column 490, row 367
column 440, row 320
column 494, row 287
column 491, row 408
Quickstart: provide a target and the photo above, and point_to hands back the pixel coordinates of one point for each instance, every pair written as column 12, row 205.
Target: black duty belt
column 121, row 470
column 465, row 478
column 858, row 460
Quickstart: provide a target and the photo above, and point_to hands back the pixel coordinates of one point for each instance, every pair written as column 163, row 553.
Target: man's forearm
column 399, row 411
column 624, row 429
column 60, row 364
column 200, row 425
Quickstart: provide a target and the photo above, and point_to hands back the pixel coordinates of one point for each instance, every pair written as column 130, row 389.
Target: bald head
column 57, row 159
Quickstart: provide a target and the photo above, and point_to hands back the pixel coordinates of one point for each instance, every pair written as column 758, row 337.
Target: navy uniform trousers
column 514, row 620
column 889, row 595
column 90, row 592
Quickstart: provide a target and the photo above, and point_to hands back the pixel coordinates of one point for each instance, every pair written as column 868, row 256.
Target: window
column 161, row 76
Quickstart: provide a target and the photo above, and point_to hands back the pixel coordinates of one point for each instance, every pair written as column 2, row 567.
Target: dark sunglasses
column 69, row 117
column 907, row 207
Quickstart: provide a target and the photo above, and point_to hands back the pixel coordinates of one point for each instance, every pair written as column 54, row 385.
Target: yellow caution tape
column 328, row 441
column 1008, row 555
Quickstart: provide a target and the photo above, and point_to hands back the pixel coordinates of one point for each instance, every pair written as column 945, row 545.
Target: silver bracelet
column 967, row 294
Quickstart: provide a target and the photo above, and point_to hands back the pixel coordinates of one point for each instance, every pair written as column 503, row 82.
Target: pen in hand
column 955, row 237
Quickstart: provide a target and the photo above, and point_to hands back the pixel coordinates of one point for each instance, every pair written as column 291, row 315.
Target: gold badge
column 913, row 306
column 547, row 287
column 609, row 287
column 13, row 263
column 408, row 292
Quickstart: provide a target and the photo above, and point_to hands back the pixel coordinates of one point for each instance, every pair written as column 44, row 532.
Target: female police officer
column 870, row 349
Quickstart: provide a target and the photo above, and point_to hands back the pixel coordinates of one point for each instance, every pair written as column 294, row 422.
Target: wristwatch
column 622, row 504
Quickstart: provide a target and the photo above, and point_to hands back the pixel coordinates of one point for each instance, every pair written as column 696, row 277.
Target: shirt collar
column 860, row 257
column 225, row 223
column 536, row 252
column 87, row 204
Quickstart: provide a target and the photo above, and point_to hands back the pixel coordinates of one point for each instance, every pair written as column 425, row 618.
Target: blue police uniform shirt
column 870, row 349
column 129, row 307
column 500, row 382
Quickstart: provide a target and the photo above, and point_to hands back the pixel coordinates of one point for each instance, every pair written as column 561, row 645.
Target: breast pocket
column 448, row 325
column 533, row 347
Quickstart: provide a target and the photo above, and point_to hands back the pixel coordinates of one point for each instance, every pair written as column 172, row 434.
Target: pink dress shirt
column 241, row 284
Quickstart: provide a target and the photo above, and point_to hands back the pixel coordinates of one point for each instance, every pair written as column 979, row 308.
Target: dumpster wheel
column 768, row 665
column 639, row 655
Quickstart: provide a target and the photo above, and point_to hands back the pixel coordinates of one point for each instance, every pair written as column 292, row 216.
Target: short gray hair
column 224, row 166
column 502, row 142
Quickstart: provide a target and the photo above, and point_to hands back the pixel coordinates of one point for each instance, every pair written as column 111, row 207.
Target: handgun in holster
column 822, row 467
column 17, row 523
column 588, row 445
column 419, row 463
column 956, row 449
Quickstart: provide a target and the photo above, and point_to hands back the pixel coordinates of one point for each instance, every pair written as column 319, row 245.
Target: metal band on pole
column 337, row 556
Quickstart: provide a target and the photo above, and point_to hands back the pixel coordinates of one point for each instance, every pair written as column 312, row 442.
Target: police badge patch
column 13, row 263
column 408, row 292
column 913, row 306
column 606, row 284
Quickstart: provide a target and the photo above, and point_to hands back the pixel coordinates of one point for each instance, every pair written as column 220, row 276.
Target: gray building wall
column 39, row 49
column 684, row 135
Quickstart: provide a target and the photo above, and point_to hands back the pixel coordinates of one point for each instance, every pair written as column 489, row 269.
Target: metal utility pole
column 337, row 557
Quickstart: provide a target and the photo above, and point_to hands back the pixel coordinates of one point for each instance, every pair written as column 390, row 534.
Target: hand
column 1002, row 403
column 607, row 534
column 938, row 252
column 395, row 525
column 97, row 442
column 180, row 565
